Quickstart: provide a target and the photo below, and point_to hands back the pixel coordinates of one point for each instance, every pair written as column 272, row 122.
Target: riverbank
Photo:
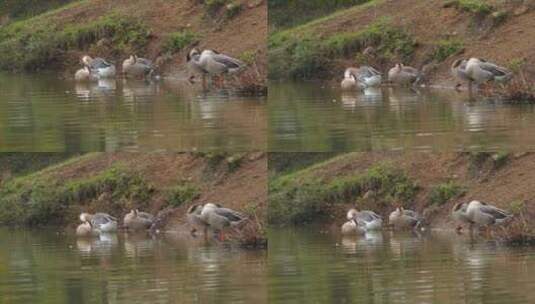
column 429, row 35
column 163, row 31
column 430, row 183
column 162, row 184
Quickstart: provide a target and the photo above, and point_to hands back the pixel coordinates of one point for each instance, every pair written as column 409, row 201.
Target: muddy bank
column 425, row 34
column 162, row 184
column 163, row 31
column 430, row 183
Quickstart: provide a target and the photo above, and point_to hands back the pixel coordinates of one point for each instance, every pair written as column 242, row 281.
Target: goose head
column 193, row 53
column 352, row 213
column 85, row 217
column 87, row 60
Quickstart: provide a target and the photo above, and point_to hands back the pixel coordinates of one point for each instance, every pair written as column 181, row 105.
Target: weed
column 249, row 57
column 176, row 42
column 444, row 192
column 477, row 7
column 182, row 194
column 233, row 9
column 446, row 48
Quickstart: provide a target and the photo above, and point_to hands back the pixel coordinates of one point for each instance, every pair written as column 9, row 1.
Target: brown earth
column 243, row 188
column 508, row 186
column 244, row 33
column 429, row 21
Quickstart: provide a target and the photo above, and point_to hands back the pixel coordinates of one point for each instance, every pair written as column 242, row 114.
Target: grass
column 38, row 43
column 446, row 48
column 442, row 193
column 182, row 194
column 301, row 197
column 177, row 41
column 309, row 55
column 476, row 7
column 44, row 199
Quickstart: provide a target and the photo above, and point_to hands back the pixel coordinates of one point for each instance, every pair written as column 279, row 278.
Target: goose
column 482, row 214
column 480, row 71
column 404, row 75
column 85, row 229
column 213, row 62
column 369, row 220
column 403, row 218
column 136, row 220
column 458, row 70
column 362, row 77
column 100, row 221
column 219, row 218
column 352, row 227
column 193, row 217
column 101, row 67
column 136, row 67
column 85, row 74
column 459, row 214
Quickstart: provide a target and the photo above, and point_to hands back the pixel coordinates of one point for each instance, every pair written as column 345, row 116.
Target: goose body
column 361, row 78
column 483, row 214
column 219, row 218
column 480, row 71
column 403, row 75
column 103, row 222
column 459, row 213
column 404, row 219
column 137, row 220
column 99, row 66
column 351, row 227
column 136, row 67
column 85, row 74
column 367, row 219
column 85, row 229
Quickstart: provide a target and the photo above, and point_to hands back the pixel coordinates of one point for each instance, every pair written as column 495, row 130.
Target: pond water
column 307, row 266
column 320, row 117
column 41, row 113
column 42, row 266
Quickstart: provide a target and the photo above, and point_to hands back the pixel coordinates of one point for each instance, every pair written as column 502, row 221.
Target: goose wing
column 494, row 212
column 494, row 69
column 100, row 63
column 229, row 62
column 230, row 214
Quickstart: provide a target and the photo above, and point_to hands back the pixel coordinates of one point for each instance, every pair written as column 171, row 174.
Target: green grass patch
column 309, row 55
column 38, row 43
column 442, row 193
column 182, row 194
column 44, row 199
column 301, row 197
column 446, row 48
column 477, row 7
column 176, row 42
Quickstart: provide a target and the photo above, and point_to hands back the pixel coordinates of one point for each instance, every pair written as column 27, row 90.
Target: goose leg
column 470, row 92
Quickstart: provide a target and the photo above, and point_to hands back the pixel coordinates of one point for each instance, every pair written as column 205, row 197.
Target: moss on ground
column 301, row 196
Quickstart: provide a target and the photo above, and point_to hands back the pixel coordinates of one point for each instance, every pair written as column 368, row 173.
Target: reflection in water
column 310, row 267
column 309, row 117
column 42, row 113
column 39, row 266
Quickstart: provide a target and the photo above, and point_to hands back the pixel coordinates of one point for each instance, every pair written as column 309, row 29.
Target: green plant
column 233, row 9
column 442, row 193
column 249, row 57
column 516, row 64
column 182, row 194
column 446, row 48
column 477, row 7
column 177, row 41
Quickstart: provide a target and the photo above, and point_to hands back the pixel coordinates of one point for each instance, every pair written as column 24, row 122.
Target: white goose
column 137, row 67
column 367, row 219
column 403, row 218
column 219, row 218
column 480, row 71
column 137, row 220
column 404, row 75
column 99, row 66
column 85, row 74
column 361, row 78
column 102, row 222
column 482, row 214
column 213, row 63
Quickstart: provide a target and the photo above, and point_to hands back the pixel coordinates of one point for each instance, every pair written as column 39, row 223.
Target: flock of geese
column 209, row 216
column 473, row 214
column 206, row 62
column 471, row 70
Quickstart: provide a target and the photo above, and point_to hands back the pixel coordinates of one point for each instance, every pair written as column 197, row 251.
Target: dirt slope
column 430, row 21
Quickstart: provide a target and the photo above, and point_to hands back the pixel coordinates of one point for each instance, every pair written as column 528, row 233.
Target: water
column 306, row 266
column 39, row 266
column 41, row 113
column 320, row 117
